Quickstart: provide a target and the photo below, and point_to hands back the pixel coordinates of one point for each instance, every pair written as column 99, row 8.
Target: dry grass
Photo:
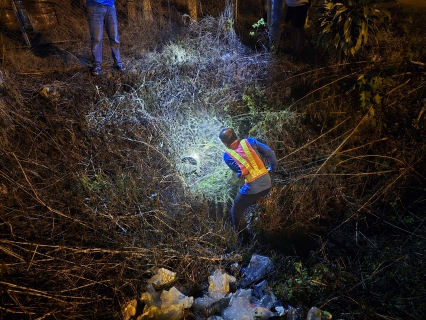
column 93, row 197
column 94, row 193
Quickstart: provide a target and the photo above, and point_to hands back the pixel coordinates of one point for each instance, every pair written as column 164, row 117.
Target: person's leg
column 298, row 22
column 241, row 203
column 300, row 39
column 275, row 25
column 96, row 23
column 111, row 24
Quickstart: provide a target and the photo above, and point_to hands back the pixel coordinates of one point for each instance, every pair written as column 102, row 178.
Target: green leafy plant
column 96, row 183
column 302, row 282
column 261, row 32
column 254, row 99
column 260, row 26
column 345, row 25
column 230, row 24
column 371, row 90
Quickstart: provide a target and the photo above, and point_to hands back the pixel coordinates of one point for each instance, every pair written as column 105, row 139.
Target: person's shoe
column 95, row 71
column 119, row 66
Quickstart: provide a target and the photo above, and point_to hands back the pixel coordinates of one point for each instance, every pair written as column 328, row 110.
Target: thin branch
column 324, row 86
column 370, row 200
column 344, row 141
column 41, row 201
column 310, row 142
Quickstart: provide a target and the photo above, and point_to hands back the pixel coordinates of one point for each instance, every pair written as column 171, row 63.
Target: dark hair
column 227, row 136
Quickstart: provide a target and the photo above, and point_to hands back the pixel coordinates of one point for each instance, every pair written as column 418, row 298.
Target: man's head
column 227, row 136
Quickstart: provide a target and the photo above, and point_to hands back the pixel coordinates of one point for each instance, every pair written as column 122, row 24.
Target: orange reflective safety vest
column 251, row 166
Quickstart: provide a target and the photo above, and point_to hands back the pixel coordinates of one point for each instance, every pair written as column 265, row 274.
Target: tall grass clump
column 97, row 187
column 349, row 177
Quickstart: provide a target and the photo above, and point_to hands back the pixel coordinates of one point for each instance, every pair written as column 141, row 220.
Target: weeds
column 94, row 191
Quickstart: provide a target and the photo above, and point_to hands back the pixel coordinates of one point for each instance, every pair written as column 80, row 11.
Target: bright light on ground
column 194, row 136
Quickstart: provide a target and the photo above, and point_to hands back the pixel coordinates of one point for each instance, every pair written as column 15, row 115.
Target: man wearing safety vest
column 243, row 157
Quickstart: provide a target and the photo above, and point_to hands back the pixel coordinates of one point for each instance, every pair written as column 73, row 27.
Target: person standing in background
column 297, row 12
column 103, row 13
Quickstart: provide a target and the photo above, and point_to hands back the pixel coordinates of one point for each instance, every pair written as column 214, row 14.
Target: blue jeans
column 99, row 16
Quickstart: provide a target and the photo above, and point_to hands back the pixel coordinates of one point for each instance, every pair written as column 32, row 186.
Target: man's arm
column 232, row 164
column 265, row 151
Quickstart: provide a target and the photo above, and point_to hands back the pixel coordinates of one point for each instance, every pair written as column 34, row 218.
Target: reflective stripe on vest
column 248, row 160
